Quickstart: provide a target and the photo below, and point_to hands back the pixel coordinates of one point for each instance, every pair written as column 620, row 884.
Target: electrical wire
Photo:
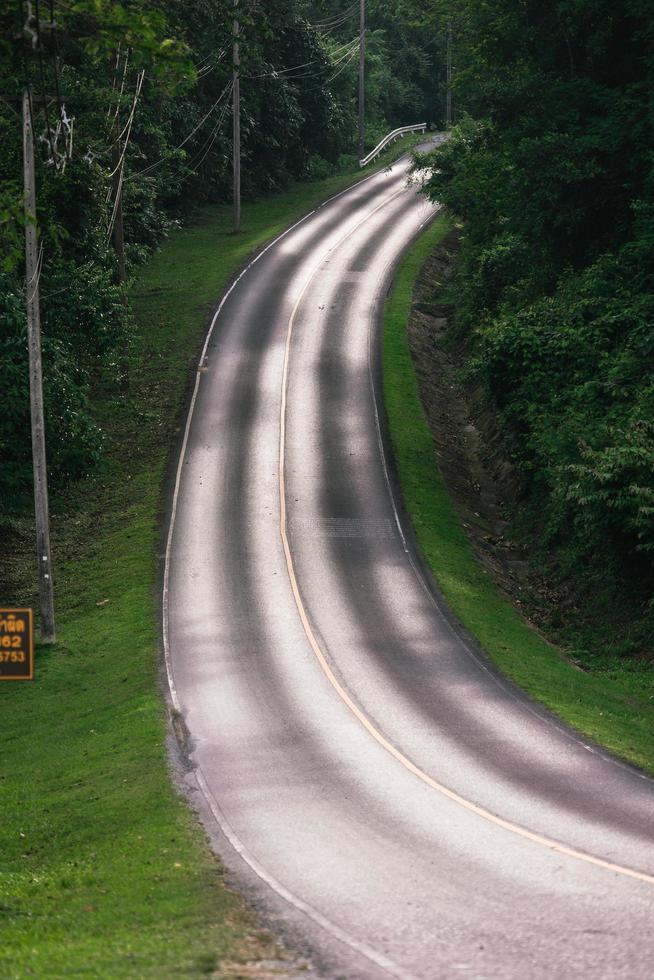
column 64, row 124
column 332, row 28
column 39, row 52
column 335, row 19
column 207, row 69
column 55, row 58
column 140, row 173
column 352, row 57
column 120, row 164
column 122, row 88
column 324, row 31
column 193, row 168
column 10, row 106
column 327, row 81
column 354, row 47
column 26, row 72
column 337, row 16
column 198, row 159
column 36, row 276
column 280, row 71
column 128, row 125
column 327, row 27
column 125, row 127
column 326, row 65
column 113, row 80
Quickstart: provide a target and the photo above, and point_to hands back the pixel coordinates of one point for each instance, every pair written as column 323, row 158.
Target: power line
column 55, row 58
column 194, row 165
column 127, row 128
column 10, row 106
column 326, row 29
column 283, row 73
column 39, row 54
column 120, row 166
column 205, row 69
column 26, row 72
column 328, row 65
column 344, row 62
column 276, row 72
column 352, row 56
column 140, row 173
column 335, row 19
column 122, row 84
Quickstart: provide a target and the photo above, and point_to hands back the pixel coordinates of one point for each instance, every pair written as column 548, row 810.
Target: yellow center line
column 424, row 777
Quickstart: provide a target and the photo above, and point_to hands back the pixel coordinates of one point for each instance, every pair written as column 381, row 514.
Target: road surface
column 393, row 806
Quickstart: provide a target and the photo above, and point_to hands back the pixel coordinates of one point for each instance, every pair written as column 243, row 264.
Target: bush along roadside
column 103, row 870
column 611, row 700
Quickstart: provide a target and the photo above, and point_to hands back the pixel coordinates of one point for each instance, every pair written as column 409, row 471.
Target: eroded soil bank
column 478, row 475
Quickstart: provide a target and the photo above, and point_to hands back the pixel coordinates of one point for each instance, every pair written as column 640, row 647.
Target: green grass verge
column 103, row 871
column 614, row 707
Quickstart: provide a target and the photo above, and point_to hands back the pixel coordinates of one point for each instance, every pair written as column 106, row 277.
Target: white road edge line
column 344, row 937
column 524, row 702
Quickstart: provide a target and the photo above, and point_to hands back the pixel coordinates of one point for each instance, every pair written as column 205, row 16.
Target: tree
column 551, row 172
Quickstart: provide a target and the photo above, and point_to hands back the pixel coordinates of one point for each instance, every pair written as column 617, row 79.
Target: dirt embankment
column 479, row 478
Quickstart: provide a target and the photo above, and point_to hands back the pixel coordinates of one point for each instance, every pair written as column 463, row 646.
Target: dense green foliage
column 162, row 143
column 405, row 61
column 551, row 170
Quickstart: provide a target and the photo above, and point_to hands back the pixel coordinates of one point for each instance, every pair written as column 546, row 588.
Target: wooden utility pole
column 448, row 110
column 362, row 79
column 236, row 104
column 32, row 273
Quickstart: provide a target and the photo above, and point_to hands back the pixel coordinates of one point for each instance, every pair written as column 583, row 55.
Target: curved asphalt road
column 393, row 805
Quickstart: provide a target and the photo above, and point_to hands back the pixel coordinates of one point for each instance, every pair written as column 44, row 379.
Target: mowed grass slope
column 103, row 870
column 614, row 705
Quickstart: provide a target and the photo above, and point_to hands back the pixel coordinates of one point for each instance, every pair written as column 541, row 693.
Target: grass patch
column 103, row 870
column 613, row 705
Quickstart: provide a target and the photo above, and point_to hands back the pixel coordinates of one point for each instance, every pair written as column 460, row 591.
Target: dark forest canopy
column 148, row 88
column 552, row 173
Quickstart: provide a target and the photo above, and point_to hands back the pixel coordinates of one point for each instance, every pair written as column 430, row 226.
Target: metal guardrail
column 402, row 131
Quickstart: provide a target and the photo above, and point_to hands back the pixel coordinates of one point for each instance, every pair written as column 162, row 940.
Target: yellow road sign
column 16, row 645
